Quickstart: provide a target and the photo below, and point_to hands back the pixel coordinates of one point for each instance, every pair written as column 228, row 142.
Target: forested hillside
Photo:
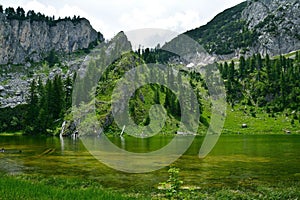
column 251, row 27
column 273, row 84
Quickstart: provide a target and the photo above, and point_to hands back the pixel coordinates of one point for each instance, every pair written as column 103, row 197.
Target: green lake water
column 235, row 160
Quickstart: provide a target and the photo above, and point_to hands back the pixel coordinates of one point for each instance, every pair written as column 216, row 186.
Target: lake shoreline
column 239, row 166
column 231, row 133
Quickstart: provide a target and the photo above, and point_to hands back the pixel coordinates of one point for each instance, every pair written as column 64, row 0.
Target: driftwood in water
column 10, row 151
column 47, row 151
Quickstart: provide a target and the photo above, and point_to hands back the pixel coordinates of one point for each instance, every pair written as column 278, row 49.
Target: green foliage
column 16, row 188
column 47, row 105
column 173, row 184
column 263, row 82
column 155, row 55
column 144, row 97
column 52, row 58
column 225, row 33
column 12, row 119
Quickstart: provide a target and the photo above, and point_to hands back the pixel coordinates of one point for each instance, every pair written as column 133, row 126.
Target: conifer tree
column 242, row 67
column 32, row 113
column 157, row 96
column 68, row 92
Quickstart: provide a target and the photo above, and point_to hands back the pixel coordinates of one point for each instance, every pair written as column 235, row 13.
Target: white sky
column 111, row 16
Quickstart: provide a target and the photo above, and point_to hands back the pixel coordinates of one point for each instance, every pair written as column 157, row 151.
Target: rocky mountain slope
column 26, row 39
column 254, row 26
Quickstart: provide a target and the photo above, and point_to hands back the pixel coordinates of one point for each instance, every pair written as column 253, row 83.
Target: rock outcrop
column 277, row 24
column 254, row 26
column 29, row 40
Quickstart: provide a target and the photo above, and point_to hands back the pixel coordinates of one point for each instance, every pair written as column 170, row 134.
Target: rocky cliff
column 30, row 40
column 276, row 23
column 254, row 26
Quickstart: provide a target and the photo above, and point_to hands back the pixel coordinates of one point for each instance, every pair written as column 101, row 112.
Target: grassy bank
column 241, row 193
column 14, row 188
column 22, row 187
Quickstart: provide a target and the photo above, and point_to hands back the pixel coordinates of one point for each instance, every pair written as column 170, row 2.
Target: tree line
column 47, row 105
column 264, row 82
column 44, row 112
column 20, row 14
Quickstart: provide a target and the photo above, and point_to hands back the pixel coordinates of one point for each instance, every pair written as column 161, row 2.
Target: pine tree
column 231, row 71
column 157, row 96
column 58, row 98
column 268, row 66
column 49, row 103
column 242, row 67
column 68, row 92
column 32, row 113
column 173, row 106
column 178, row 109
column 52, row 58
column 297, row 56
column 252, row 63
column 221, row 68
column 167, row 99
column 225, row 71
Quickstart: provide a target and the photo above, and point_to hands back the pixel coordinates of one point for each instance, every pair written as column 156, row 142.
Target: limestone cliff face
column 22, row 40
column 253, row 26
column 277, row 24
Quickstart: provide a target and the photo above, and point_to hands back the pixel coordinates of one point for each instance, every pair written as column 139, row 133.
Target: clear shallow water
column 235, row 160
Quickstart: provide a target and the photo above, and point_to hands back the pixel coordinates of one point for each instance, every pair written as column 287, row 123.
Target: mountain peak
column 255, row 26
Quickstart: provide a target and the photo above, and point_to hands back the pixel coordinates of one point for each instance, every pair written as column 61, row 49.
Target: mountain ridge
column 261, row 26
column 32, row 37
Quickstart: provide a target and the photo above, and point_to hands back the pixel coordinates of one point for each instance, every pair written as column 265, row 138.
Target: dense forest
column 225, row 33
column 273, row 84
column 44, row 113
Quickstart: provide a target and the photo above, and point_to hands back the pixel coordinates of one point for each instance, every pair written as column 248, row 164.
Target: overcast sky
column 111, row 16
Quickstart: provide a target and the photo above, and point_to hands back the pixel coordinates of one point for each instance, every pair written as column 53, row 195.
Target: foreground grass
column 248, row 190
column 237, row 194
column 14, row 188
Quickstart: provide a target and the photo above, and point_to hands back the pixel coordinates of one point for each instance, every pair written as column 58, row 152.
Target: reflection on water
column 234, row 159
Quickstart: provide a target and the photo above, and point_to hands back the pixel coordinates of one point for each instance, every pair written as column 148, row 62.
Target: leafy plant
column 173, row 184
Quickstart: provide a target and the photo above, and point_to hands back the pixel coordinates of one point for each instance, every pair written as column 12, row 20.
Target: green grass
column 236, row 60
column 262, row 123
column 11, row 133
column 41, row 187
column 14, row 188
column 287, row 55
column 247, row 189
column 238, row 194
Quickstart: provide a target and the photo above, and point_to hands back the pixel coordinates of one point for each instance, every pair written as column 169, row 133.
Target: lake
column 235, row 160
